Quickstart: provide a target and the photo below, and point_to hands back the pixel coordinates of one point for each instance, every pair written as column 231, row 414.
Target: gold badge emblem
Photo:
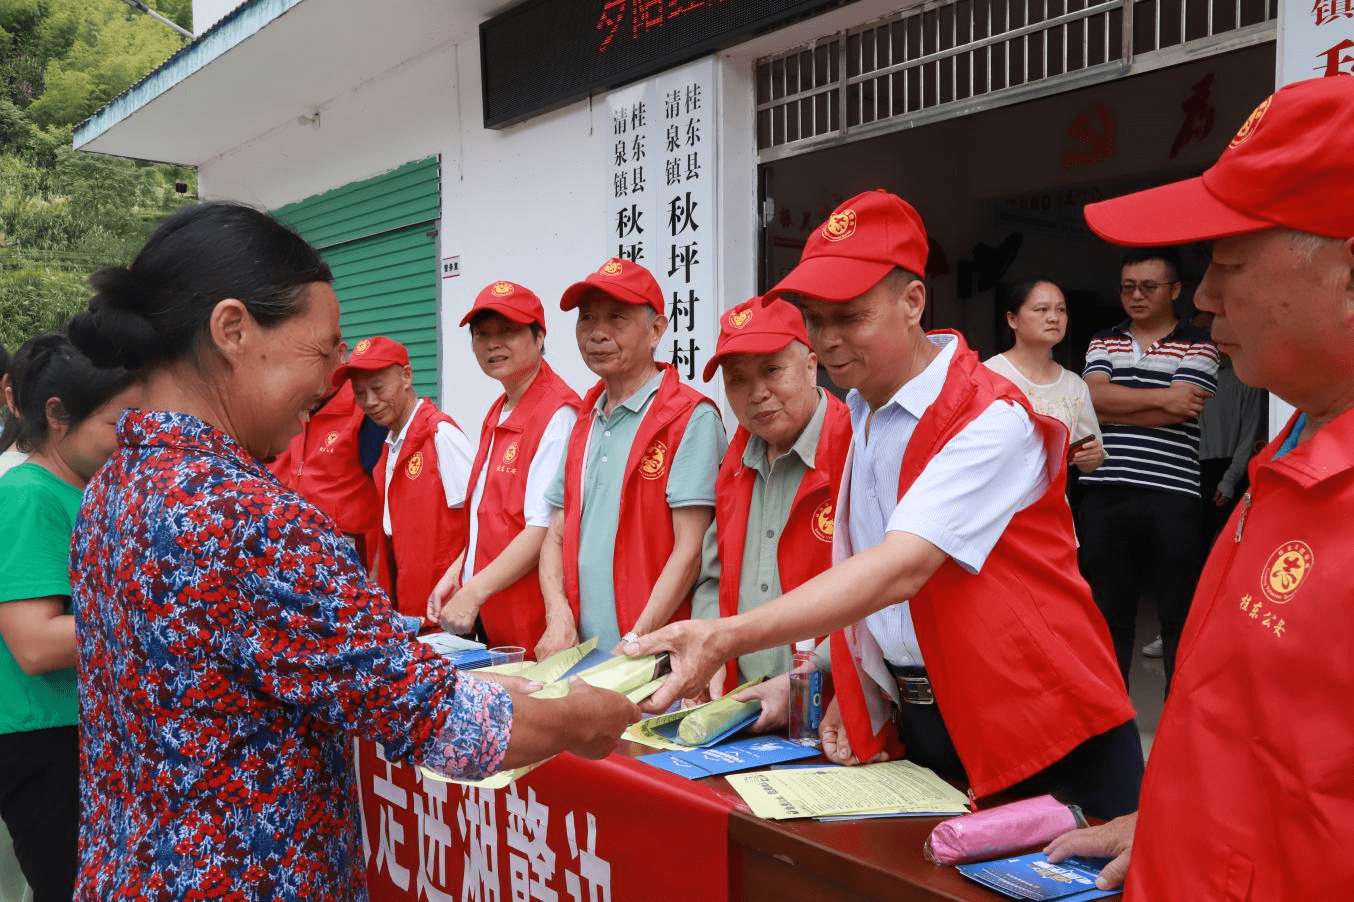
column 502, row 289
column 362, row 347
column 1285, row 571
column 654, row 461
column 823, row 521
column 740, row 318
column 840, row 225
column 331, row 438
column 510, row 454
column 1252, row 122
column 611, row 267
column 415, row 465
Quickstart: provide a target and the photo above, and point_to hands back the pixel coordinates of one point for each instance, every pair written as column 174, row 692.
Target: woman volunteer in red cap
column 521, row 443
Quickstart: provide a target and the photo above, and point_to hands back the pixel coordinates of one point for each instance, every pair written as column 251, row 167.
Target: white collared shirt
column 964, row 498
column 455, row 456
column 540, row 472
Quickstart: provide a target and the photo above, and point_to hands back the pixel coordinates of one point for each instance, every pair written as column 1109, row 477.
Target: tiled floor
column 1147, row 678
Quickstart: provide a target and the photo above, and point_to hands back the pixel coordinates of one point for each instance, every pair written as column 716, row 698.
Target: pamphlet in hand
column 730, row 757
column 635, row 678
column 1034, row 877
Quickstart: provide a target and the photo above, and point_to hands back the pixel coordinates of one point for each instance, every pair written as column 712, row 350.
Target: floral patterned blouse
column 230, row 647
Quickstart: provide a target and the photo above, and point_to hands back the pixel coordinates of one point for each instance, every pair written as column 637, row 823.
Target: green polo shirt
column 691, row 483
column 773, row 494
column 39, row 511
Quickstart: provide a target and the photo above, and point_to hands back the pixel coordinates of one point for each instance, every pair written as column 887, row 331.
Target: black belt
column 914, row 686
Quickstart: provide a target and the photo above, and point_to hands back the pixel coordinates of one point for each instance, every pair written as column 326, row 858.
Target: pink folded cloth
column 1000, row 831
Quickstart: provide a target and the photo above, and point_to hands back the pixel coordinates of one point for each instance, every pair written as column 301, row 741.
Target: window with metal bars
column 943, row 58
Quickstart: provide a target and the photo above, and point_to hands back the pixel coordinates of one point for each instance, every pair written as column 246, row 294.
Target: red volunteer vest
column 805, row 546
column 427, row 536
column 1249, row 793
column 516, row 615
column 323, row 465
column 1018, row 655
column 644, row 537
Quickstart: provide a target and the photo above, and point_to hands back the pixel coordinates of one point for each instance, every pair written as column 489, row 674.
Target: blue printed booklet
column 741, row 754
column 1035, row 877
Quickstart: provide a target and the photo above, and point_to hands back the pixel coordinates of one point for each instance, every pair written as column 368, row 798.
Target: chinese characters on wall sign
column 1316, row 38
column 661, row 177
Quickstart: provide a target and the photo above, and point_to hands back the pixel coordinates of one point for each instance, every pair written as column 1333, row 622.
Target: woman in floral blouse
column 230, row 644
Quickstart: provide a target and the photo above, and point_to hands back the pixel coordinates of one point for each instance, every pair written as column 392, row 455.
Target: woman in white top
column 1036, row 311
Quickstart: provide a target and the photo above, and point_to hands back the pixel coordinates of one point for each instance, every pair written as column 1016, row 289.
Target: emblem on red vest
column 362, row 346
column 823, row 521
column 840, row 225
column 510, row 454
column 1285, row 571
column 654, row 461
column 331, row 438
column 415, row 465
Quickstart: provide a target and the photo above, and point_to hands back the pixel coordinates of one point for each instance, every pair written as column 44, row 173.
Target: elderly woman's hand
column 603, row 716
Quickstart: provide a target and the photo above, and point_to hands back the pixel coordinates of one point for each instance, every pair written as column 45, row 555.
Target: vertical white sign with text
column 662, row 178
column 1315, row 40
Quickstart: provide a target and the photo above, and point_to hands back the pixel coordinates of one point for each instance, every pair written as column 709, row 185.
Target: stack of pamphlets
column 466, row 654
column 729, row 757
column 1035, row 877
column 887, row 789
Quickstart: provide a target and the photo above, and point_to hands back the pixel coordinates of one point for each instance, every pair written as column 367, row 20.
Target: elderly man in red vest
column 636, row 491
column 777, row 486
column 1250, row 790
column 421, row 477
column 330, row 464
column 970, row 634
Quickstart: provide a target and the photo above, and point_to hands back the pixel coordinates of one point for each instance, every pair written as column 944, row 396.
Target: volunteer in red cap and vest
column 330, row 465
column 778, row 483
column 421, row 477
column 636, row 491
column 969, row 633
column 1250, row 789
column 522, row 442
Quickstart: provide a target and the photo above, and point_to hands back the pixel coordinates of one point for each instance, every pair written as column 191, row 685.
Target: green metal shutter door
column 379, row 237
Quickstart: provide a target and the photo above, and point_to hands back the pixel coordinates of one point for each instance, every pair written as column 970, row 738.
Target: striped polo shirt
column 1153, row 457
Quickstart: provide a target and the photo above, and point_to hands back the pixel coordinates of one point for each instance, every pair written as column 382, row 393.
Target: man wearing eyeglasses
column 1149, row 377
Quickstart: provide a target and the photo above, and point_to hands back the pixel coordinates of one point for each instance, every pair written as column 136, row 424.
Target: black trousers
column 1102, row 775
column 40, row 802
column 1137, row 542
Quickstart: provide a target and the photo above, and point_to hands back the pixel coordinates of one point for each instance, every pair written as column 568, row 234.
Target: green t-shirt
column 39, row 512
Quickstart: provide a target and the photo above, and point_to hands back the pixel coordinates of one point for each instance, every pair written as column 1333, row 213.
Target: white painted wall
column 523, row 203
column 207, row 13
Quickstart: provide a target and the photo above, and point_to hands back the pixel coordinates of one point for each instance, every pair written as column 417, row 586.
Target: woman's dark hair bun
column 111, row 333
column 158, row 309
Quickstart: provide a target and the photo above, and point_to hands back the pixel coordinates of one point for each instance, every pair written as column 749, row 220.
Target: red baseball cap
column 370, row 355
column 751, row 328
column 624, row 280
column 514, row 301
column 863, row 240
column 1290, row 166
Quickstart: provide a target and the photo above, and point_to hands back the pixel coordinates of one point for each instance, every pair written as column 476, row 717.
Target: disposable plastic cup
column 506, row 654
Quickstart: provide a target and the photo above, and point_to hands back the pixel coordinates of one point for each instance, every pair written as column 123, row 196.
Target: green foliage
column 37, row 299
column 64, row 214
